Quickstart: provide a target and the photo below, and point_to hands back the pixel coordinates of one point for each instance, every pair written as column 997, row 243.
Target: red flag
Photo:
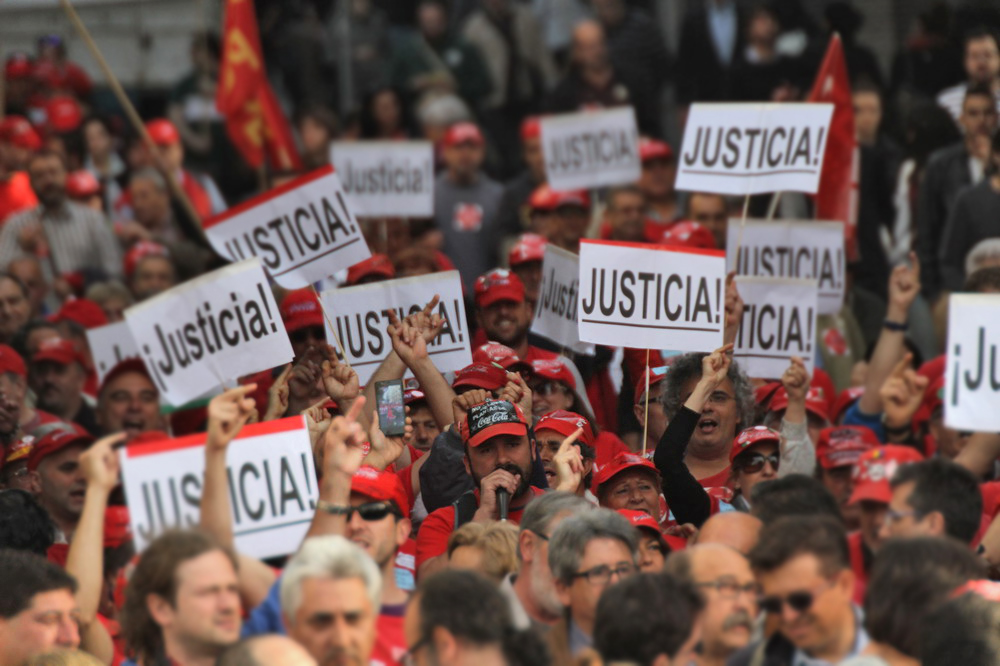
column 837, row 198
column 254, row 119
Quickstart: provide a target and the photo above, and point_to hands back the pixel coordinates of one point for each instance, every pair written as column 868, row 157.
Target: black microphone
column 503, row 499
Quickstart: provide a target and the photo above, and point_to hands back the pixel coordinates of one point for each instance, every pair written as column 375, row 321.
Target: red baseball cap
column 116, row 526
column 381, row 486
column 554, row 369
column 82, row 311
column 531, row 128
column 129, row 365
column 460, row 133
column 377, row 264
column 565, row 423
column 56, row 440
column 751, row 437
column 498, row 285
column 490, row 419
column 644, row 521
column 18, row 66
column 621, row 462
column 82, row 184
column 17, row 131
column 843, row 446
column 876, row 467
column 59, row 351
column 140, row 251
column 933, row 368
column 816, row 403
column 821, row 380
column 688, row 234
column 764, row 393
column 542, row 198
column 846, row 398
column 20, row 449
column 502, row 355
column 299, row 309
column 163, row 132
column 933, row 399
column 575, row 198
column 11, row 361
column 63, row 114
column 489, row 376
column 529, row 247
column 656, row 375
column 654, row 149
column 412, row 395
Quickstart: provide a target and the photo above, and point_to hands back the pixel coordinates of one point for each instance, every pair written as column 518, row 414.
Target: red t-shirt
column 390, row 643
column 432, row 539
column 718, row 486
column 855, row 546
column 16, row 195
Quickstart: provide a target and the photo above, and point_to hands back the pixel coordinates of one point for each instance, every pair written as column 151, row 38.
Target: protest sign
column 302, row 231
column 556, row 310
column 361, row 316
column 805, row 249
column 972, row 379
column 666, row 298
column 779, row 322
column 109, row 346
column 591, row 149
column 386, row 178
column 209, row 330
column 272, row 486
column 753, row 148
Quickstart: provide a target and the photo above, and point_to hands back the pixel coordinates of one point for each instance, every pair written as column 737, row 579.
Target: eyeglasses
column 799, row 602
column 543, row 537
column 751, row 463
column 372, row 511
column 719, row 397
column 548, row 388
column 306, row 332
column 602, row 574
column 728, row 588
column 409, row 657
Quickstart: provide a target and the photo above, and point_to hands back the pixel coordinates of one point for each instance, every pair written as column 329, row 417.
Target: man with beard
column 499, row 457
column 57, row 377
column 531, row 591
column 128, row 400
column 15, row 306
column 56, row 478
column 730, row 594
column 73, row 236
column 504, row 314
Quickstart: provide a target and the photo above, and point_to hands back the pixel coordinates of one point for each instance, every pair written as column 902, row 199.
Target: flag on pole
column 837, row 198
column 254, row 119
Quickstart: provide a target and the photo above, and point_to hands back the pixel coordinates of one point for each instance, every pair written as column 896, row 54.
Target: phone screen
column 391, row 412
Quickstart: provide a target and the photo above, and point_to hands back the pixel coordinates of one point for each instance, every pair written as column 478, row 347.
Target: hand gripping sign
column 647, row 296
column 386, row 178
column 361, row 317
column 272, row 485
column 972, row 372
column 800, row 249
column 779, row 322
column 302, row 231
column 591, row 149
column 210, row 330
column 753, row 148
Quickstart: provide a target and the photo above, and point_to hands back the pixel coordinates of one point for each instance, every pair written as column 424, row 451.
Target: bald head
column 714, row 560
column 589, row 48
column 271, row 649
column 734, row 529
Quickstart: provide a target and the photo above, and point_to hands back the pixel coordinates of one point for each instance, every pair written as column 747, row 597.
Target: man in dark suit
column 711, row 44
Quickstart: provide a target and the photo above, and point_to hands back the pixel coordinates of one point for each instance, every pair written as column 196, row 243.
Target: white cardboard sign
column 806, row 250
column 302, row 231
column 360, row 315
column 272, row 486
column 972, row 380
column 557, row 307
column 753, row 148
column 386, row 178
column 209, row 330
column 779, row 322
column 637, row 295
column 591, row 149
column 109, row 346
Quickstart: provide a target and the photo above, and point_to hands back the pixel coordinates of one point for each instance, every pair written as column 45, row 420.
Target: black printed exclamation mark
column 458, row 320
column 955, row 376
column 267, row 307
column 819, row 146
column 840, row 268
column 718, row 300
column 809, row 329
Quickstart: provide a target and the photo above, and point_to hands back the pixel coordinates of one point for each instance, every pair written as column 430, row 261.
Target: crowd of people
column 632, row 506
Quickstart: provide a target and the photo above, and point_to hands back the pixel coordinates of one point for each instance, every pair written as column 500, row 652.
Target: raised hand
column 385, row 450
column 715, row 366
column 228, row 413
column 904, row 285
column 340, row 381
column 796, row 380
column 343, row 446
column 461, row 404
column 305, row 382
column 277, row 395
column 569, row 463
column 902, row 394
column 100, row 464
column 517, row 392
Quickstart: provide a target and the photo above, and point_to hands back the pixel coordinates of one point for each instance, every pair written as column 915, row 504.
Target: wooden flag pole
column 645, row 418
column 333, row 331
column 116, row 87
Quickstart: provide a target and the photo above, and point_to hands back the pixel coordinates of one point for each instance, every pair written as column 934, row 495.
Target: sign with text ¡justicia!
column 302, row 231
column 272, row 486
column 209, row 330
column 651, row 296
column 779, row 322
column 972, row 375
column 591, row 149
column 753, row 148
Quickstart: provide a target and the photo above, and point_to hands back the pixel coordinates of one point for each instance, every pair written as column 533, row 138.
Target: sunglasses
column 799, row 602
column 751, row 463
column 373, row 511
column 549, row 387
column 304, row 334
